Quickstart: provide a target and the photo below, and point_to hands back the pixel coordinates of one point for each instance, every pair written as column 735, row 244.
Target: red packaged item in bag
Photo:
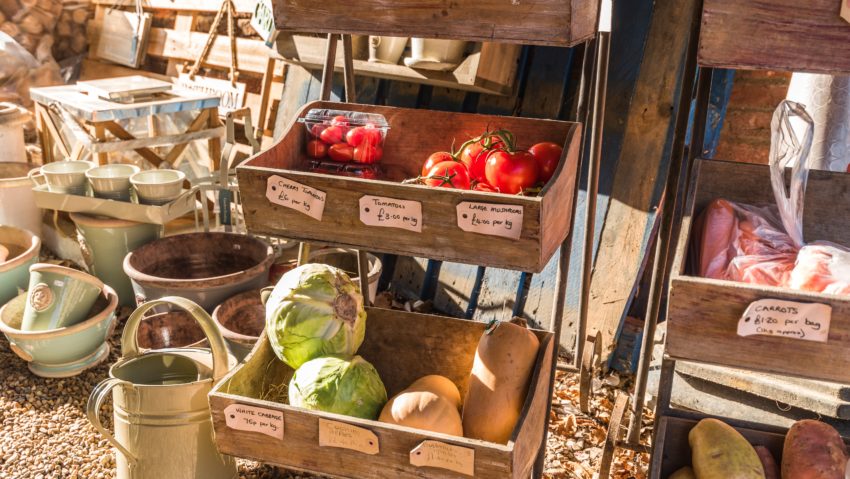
column 822, row 267
column 744, row 243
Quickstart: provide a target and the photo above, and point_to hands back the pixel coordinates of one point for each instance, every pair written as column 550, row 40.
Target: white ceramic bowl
column 157, row 187
column 112, row 181
column 67, row 176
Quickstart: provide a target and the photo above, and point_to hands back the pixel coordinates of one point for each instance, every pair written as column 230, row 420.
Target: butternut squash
column 498, row 383
column 439, row 385
column 424, row 406
column 718, row 451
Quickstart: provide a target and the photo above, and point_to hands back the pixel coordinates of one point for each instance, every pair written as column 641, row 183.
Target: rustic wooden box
column 672, row 452
column 542, row 22
column 413, row 136
column 703, row 313
column 491, row 68
column 776, row 35
column 403, row 347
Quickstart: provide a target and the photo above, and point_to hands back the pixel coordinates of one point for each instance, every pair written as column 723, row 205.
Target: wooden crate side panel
column 558, row 196
column 703, row 320
column 826, row 216
column 403, row 347
column 740, row 182
column 776, row 35
column 545, row 22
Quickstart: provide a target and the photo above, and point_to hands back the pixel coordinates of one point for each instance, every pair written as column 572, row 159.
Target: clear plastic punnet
column 344, row 136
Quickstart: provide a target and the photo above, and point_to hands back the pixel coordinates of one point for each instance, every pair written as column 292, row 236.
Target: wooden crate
column 403, row 347
column 672, row 452
column 413, row 136
column 776, row 35
column 703, row 313
column 542, row 22
column 491, row 68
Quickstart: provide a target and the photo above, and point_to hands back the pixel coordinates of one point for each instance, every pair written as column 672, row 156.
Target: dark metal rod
column 667, row 212
column 476, row 292
column 363, row 272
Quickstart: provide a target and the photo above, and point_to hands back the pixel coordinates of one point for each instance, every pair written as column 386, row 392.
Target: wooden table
column 93, row 122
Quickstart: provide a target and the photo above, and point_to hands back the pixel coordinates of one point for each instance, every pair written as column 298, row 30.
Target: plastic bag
column 744, row 243
column 19, row 71
column 790, row 143
column 822, row 267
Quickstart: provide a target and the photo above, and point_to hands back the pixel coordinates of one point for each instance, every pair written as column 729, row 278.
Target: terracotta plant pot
column 241, row 320
column 174, row 329
column 206, row 268
column 346, row 260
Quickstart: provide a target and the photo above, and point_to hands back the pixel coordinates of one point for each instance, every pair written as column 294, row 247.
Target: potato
column 771, row 470
column 683, row 473
column 718, row 451
column 813, row 450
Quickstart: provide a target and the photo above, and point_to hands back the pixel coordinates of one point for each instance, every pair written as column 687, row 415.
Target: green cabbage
column 315, row 310
column 338, row 384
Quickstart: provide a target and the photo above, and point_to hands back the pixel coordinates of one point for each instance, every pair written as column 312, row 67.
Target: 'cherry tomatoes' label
column 290, row 194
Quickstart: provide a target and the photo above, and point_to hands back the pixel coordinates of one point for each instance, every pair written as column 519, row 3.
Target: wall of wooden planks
column 549, row 86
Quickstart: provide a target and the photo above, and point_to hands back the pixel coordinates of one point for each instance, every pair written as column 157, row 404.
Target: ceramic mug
column 158, row 187
column 112, row 181
column 58, row 297
column 67, row 176
column 435, row 54
column 386, row 49
column 105, row 242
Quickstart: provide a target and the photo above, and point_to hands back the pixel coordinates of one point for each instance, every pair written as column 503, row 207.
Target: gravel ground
column 44, row 432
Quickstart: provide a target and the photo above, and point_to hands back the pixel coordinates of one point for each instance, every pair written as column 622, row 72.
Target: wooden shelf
column 785, row 35
column 537, row 22
column 703, row 313
column 490, row 69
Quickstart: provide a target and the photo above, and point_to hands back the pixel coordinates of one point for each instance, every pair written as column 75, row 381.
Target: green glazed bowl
column 23, row 249
column 62, row 352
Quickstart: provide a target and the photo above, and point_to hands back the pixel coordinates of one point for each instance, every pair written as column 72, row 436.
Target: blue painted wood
column 722, row 81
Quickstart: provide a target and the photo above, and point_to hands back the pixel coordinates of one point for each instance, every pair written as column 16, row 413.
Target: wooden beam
column 242, row 6
column 123, row 134
column 644, row 160
column 161, row 140
column 173, row 44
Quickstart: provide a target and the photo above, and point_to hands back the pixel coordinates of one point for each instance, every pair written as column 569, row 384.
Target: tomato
column 448, row 174
column 332, row 135
column 435, row 158
column 480, row 186
column 474, row 154
column 316, row 149
column 363, row 134
column 339, row 120
column 547, row 155
column 368, row 154
column 341, row 152
column 511, row 172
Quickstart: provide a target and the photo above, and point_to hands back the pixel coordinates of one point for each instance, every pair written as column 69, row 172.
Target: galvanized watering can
column 161, row 414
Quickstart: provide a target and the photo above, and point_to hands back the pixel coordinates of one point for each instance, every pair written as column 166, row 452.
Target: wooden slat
column 776, row 35
column 541, row 22
column 123, row 134
column 403, row 347
column 545, row 219
column 167, row 43
column 242, row 6
column 644, row 158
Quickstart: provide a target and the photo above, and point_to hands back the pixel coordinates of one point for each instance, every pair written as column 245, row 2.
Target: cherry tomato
column 317, row 149
column 363, row 134
column 341, row 152
column 435, row 158
column 317, row 129
column 474, row 155
column 332, row 135
column 368, row 154
column 448, row 174
column 547, row 155
column 511, row 172
column 339, row 120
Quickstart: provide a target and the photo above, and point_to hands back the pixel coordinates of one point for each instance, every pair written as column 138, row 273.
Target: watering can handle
column 98, row 396
column 130, row 344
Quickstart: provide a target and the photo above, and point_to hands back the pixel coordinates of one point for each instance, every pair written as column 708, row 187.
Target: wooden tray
column 413, row 136
column 703, row 313
column 122, row 210
column 540, row 22
column 787, row 35
column 403, row 347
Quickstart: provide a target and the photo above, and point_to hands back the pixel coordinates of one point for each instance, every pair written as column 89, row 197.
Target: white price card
column 285, row 192
column 255, row 419
column 490, row 219
column 347, row 436
column 263, row 21
column 444, row 456
column 787, row 319
column 391, row 213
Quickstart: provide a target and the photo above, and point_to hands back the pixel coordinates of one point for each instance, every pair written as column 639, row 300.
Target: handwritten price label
column 285, row 192
column 346, row 436
column 444, row 456
column 490, row 219
column 787, row 319
column 255, row 419
column 391, row 213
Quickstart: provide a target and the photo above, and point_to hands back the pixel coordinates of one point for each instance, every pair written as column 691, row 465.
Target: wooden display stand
column 301, row 447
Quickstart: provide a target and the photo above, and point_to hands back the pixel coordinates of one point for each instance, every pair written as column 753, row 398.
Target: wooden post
column 214, row 143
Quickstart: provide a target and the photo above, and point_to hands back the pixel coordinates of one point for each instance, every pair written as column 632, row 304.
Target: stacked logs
column 47, row 28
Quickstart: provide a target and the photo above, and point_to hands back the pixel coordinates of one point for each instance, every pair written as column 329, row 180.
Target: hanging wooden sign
column 232, row 94
column 263, row 21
